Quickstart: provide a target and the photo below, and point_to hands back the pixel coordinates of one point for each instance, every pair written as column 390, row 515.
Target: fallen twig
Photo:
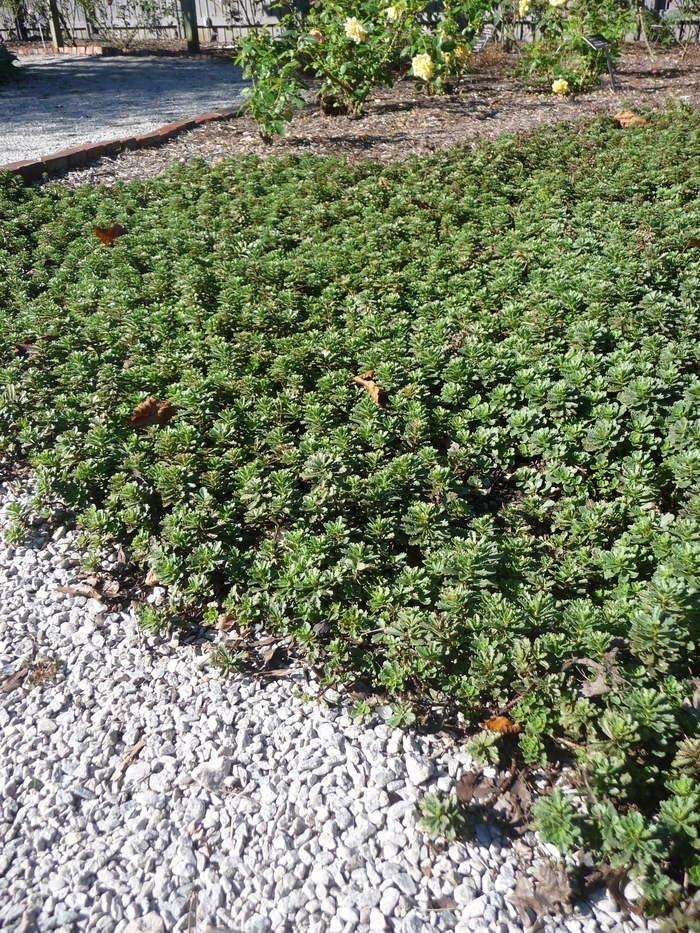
column 127, row 760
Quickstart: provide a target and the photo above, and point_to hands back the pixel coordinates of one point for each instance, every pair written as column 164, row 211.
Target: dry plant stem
column 571, row 746
column 591, row 793
column 127, row 760
column 193, row 902
column 644, row 33
column 688, row 43
column 509, row 706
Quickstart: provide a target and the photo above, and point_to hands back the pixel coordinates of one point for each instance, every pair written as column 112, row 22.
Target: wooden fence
column 221, row 21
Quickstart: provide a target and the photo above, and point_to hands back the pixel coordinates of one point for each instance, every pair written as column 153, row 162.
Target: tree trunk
column 22, row 31
column 55, row 24
column 189, row 16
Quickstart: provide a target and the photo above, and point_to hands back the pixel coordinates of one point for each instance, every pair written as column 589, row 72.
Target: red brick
column 148, row 139
column 111, row 146
column 95, row 150
column 29, row 169
column 13, row 166
column 178, row 127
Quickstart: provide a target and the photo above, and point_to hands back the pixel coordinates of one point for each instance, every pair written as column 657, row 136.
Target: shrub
column 558, row 52
column 353, row 47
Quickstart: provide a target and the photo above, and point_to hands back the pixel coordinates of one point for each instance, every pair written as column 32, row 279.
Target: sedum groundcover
column 516, row 525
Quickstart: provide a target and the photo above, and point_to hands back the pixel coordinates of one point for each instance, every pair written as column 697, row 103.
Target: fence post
column 55, row 24
column 189, row 16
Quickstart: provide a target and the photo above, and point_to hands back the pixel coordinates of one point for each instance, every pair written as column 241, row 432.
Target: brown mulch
column 400, row 122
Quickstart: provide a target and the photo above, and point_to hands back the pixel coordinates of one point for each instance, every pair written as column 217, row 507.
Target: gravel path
column 142, row 792
column 63, row 101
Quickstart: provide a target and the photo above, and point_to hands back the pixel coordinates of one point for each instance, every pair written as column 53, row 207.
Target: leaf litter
column 544, row 891
column 152, row 412
column 377, row 393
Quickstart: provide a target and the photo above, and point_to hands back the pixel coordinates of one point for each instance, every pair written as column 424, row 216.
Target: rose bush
column 558, row 52
column 353, row 48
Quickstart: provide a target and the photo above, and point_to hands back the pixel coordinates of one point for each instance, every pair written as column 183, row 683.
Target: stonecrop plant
column 437, row 421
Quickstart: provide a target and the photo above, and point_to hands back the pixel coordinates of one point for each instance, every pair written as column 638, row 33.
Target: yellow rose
column 355, row 30
column 461, row 51
column 423, row 66
column 560, row 86
column 557, row 2
column 392, row 14
column 524, row 7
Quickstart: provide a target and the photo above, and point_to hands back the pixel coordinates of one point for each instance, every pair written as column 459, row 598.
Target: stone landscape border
column 34, row 169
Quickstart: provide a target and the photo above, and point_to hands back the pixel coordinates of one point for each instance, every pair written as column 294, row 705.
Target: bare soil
column 400, row 122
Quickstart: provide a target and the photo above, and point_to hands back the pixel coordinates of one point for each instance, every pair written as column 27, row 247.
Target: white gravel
column 249, row 806
column 64, row 101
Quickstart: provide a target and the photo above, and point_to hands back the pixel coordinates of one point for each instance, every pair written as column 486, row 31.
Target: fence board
column 225, row 21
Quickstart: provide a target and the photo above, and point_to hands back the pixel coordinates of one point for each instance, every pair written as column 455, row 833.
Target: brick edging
column 34, row 169
column 69, row 50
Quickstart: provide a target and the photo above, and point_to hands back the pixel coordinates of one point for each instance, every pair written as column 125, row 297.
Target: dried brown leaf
column 693, row 242
column 82, row 589
column 503, row 725
column 616, row 882
column 627, row 118
column 376, row 392
column 111, row 588
column 13, row 681
column 607, row 669
column 109, row 234
column 127, row 364
column 359, row 690
column 546, row 891
column 152, row 577
column 466, row 786
column 552, row 887
column 151, row 412
column 513, row 805
column 523, row 898
column 225, row 621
